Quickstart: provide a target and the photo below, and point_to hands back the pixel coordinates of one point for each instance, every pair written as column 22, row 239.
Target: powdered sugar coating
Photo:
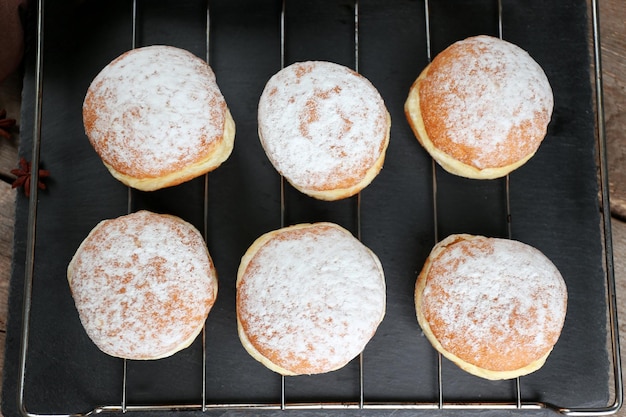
column 322, row 125
column 486, row 102
column 153, row 111
column 311, row 298
column 497, row 304
column 143, row 285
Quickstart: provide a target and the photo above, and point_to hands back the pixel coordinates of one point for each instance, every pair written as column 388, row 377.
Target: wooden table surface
column 613, row 37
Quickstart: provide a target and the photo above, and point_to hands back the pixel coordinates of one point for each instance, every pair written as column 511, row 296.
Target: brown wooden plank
column 613, row 41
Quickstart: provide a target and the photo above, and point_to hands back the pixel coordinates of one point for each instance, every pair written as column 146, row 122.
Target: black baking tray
column 553, row 202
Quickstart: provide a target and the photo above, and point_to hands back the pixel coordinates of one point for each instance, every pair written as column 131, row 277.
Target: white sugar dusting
column 492, row 297
column 142, row 285
column 488, row 92
column 316, row 298
column 320, row 123
column 159, row 106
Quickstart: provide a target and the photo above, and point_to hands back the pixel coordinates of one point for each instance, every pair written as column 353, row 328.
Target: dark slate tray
column 553, row 201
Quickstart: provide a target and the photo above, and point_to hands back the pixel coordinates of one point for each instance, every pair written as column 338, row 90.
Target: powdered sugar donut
column 495, row 307
column 324, row 127
column 156, row 117
column 309, row 298
column 143, row 285
column 481, row 108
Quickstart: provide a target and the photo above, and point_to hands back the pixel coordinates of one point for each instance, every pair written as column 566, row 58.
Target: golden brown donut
column 495, row 307
column 324, row 127
column 143, row 285
column 157, row 118
column 481, row 108
column 309, row 298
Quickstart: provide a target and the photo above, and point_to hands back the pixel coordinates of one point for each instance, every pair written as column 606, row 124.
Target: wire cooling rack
column 361, row 403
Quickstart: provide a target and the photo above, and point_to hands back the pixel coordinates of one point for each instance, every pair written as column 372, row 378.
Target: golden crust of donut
column 324, row 127
column 200, row 167
column 309, row 298
column 494, row 307
column 481, row 108
column 157, row 118
column 143, row 285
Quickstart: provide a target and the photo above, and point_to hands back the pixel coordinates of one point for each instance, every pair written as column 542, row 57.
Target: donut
column 494, row 307
column 156, row 117
column 309, row 298
column 324, row 128
column 143, row 285
column 481, row 108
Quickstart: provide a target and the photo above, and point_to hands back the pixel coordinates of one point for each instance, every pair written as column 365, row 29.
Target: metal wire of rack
column 361, row 403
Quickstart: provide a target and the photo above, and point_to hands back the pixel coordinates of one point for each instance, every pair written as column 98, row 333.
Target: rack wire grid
column 283, row 404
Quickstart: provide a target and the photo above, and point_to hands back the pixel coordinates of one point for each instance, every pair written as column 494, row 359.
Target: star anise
column 5, row 124
column 23, row 176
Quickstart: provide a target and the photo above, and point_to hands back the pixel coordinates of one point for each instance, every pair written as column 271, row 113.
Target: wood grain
column 10, row 99
column 10, row 94
column 613, row 46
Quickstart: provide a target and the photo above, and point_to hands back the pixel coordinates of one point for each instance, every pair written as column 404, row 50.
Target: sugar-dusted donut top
column 311, row 297
column 142, row 284
column 485, row 102
column 153, row 111
column 322, row 125
column 498, row 304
